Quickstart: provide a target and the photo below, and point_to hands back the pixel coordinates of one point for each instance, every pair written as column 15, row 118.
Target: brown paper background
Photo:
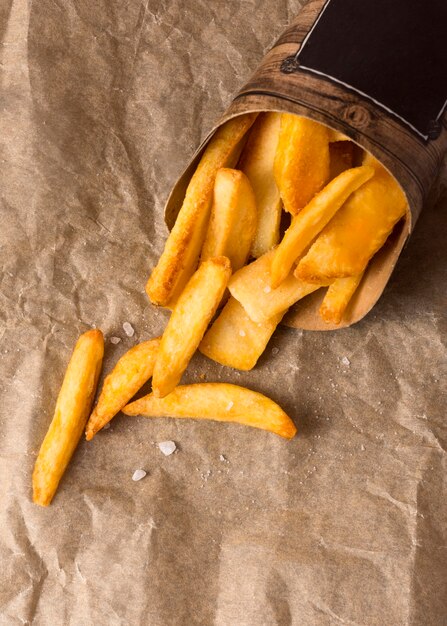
column 102, row 104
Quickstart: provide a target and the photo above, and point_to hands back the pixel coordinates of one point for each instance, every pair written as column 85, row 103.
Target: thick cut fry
column 336, row 136
column 301, row 166
column 130, row 373
column 357, row 232
column 251, row 287
column 221, row 402
column 371, row 161
column 182, row 249
column 257, row 163
column 233, row 219
column 235, row 340
column 71, row 412
column 338, row 297
column 341, row 154
column 188, row 323
column 313, row 218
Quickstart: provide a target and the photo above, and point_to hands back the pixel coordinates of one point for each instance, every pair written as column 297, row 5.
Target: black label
column 393, row 52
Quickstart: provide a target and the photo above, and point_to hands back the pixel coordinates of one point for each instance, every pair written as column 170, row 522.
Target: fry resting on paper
column 251, row 287
column 130, row 373
column 313, row 218
column 235, row 340
column 357, row 232
column 338, row 297
column 180, row 256
column 188, row 323
column 232, row 222
column 301, row 164
column 257, row 163
column 217, row 401
column 70, row 415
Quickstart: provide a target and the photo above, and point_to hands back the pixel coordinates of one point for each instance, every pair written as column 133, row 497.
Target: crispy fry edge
column 71, row 412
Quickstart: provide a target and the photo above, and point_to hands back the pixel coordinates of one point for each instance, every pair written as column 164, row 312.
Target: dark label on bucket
column 393, row 52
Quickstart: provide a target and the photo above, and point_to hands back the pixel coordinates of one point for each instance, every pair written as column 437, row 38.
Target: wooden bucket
column 299, row 76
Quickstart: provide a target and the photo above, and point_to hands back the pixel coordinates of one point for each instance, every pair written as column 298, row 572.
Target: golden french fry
column 357, row 232
column 232, row 223
column 341, row 156
column 336, row 136
column 221, row 402
column 371, row 161
column 338, row 297
column 235, row 340
column 301, row 165
column 313, row 218
column 71, row 412
column 251, row 287
column 130, row 373
column 188, row 323
column 181, row 253
column 257, row 163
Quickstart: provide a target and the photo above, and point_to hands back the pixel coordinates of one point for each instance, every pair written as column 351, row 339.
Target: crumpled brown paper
column 102, row 104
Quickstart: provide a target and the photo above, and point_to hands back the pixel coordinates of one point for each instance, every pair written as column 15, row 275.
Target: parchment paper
column 102, row 104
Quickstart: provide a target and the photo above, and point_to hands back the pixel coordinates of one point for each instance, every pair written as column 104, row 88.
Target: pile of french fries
column 227, row 255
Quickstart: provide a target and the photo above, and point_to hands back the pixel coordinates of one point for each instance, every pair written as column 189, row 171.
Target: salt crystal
column 230, row 405
column 167, row 447
column 223, row 458
column 128, row 329
column 115, row 340
column 346, row 361
column 267, row 289
column 362, row 447
column 242, row 333
column 138, row 474
column 275, row 350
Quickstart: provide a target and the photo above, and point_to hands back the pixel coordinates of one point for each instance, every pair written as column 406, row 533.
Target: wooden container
column 356, row 67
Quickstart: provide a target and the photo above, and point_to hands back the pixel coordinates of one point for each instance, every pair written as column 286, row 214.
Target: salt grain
column 230, row 405
column 242, row 333
column 128, row 329
column 267, row 289
column 138, row 474
column 346, row 361
column 115, row 340
column 167, row 447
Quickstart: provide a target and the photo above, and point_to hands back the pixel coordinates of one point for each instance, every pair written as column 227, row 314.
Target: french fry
column 180, row 256
column 70, row 415
column 232, row 223
column 336, row 136
column 338, row 297
column 188, row 323
column 130, row 373
column 371, row 161
column 341, row 157
column 251, row 287
column 221, row 402
column 357, row 232
column 235, row 340
column 301, row 165
column 257, row 163
column 313, row 218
